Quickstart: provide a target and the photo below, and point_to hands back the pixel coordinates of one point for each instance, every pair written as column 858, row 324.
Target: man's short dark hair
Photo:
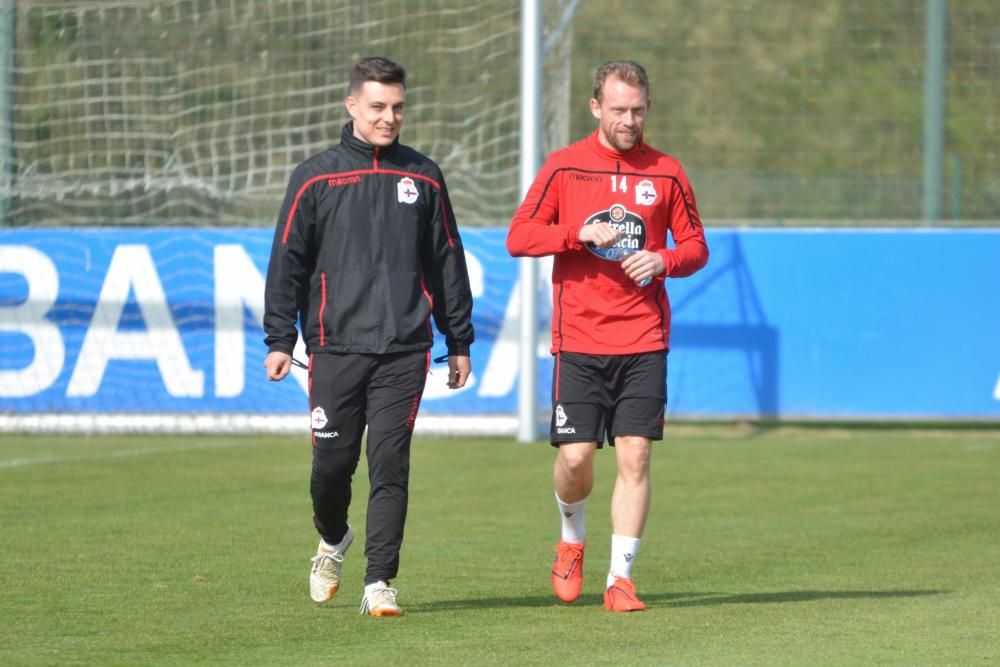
column 628, row 71
column 379, row 69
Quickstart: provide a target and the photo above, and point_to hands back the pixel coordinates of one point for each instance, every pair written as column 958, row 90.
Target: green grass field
column 783, row 546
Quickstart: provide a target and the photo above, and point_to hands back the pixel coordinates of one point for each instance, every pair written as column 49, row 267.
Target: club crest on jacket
column 406, row 190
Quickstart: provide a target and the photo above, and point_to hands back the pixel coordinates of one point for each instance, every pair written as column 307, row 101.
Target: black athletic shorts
column 598, row 397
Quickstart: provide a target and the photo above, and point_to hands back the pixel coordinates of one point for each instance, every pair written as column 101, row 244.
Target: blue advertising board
column 786, row 323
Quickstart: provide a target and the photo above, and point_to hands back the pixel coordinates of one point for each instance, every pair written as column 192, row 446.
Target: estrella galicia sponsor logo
column 631, row 225
column 406, row 190
column 318, row 418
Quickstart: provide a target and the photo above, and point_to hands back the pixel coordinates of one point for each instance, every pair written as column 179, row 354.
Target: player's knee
column 633, row 454
column 575, row 460
column 334, row 463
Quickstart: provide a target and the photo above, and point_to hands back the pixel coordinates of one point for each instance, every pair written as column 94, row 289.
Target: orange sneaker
column 567, row 571
column 620, row 596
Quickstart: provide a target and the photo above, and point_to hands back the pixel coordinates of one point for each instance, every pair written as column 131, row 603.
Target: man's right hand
column 277, row 365
column 600, row 234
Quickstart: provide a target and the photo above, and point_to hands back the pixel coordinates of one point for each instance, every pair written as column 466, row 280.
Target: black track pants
column 346, row 393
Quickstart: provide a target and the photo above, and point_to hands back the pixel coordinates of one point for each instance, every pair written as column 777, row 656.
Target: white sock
column 623, row 552
column 573, row 529
column 340, row 547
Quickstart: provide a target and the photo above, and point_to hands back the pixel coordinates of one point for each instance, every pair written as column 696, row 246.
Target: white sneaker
column 380, row 600
column 324, row 580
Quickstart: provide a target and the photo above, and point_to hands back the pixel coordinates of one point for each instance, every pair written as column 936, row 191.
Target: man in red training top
column 603, row 207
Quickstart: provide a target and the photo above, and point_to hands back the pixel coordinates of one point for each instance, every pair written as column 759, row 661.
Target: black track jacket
column 365, row 249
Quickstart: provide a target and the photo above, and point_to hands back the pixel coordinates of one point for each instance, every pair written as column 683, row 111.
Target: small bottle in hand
column 628, row 252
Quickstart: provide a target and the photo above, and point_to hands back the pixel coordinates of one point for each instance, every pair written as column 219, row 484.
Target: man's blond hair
column 628, row 71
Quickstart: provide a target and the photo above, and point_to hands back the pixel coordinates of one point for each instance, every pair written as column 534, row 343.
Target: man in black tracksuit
column 365, row 251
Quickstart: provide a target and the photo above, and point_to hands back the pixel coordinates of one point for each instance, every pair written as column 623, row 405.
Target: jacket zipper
column 376, row 215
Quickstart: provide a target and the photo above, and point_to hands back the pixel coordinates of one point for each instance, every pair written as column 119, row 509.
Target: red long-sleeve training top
column 642, row 192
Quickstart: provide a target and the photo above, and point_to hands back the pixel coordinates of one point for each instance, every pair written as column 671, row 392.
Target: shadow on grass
column 654, row 600
column 787, row 596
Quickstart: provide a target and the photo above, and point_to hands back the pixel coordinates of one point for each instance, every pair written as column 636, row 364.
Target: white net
column 139, row 114
column 194, row 112
column 808, row 113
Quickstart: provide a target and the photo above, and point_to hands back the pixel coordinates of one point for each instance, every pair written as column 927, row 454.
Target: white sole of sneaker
column 321, row 592
column 379, row 613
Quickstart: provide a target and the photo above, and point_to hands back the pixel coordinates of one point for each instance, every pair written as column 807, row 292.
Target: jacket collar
column 363, row 148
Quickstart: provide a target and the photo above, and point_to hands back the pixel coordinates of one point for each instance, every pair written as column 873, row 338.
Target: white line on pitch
column 21, row 463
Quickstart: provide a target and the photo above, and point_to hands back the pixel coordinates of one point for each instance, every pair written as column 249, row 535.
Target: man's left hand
column 459, row 370
column 643, row 264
